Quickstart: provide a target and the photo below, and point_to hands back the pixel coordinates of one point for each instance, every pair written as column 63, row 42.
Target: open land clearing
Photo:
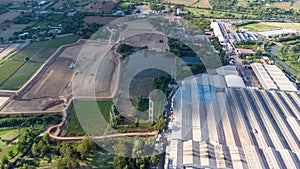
column 9, row 32
column 282, row 5
column 99, row 7
column 154, row 40
column 54, row 87
column 8, row 16
column 296, row 5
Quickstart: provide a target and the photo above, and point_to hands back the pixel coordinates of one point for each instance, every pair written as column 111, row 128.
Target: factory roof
column 271, row 77
column 219, row 127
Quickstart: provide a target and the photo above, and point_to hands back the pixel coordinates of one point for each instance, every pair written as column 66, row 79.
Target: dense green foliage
column 290, row 54
column 142, row 104
column 141, row 149
column 88, row 32
column 222, row 4
column 161, row 83
column 201, row 24
column 27, row 121
column 28, row 144
column 218, row 47
column 180, row 49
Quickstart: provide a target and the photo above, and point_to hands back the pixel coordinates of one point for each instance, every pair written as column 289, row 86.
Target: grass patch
column 21, row 76
column 87, row 113
column 124, row 5
column 271, row 25
column 217, row 14
column 8, row 68
column 8, row 135
column 257, row 27
column 295, row 26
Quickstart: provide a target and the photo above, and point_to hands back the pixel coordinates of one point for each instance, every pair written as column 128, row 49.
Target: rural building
column 216, row 126
column 245, row 51
column 271, row 77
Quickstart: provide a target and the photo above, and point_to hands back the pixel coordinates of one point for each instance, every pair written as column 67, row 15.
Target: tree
column 67, row 162
column 65, row 150
column 27, row 58
column 86, row 147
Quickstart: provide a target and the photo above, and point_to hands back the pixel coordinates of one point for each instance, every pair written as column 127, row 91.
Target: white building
column 218, row 32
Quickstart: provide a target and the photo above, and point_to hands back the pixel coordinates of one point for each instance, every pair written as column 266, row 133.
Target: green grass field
column 14, row 72
column 21, row 76
column 8, row 68
column 87, row 113
column 8, row 135
column 124, row 5
column 256, row 27
column 271, row 25
column 216, row 14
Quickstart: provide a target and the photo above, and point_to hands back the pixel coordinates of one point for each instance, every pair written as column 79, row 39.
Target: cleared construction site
column 219, row 127
column 56, row 83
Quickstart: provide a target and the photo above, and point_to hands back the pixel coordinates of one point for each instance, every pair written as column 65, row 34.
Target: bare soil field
column 141, row 37
column 99, row 7
column 56, row 86
column 98, row 20
column 97, row 72
column 283, row 5
column 11, row 30
column 202, row 4
column 9, row 16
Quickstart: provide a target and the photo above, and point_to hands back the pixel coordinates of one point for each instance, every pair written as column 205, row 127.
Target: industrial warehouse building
column 271, row 77
column 218, row 31
column 277, row 33
column 220, row 127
